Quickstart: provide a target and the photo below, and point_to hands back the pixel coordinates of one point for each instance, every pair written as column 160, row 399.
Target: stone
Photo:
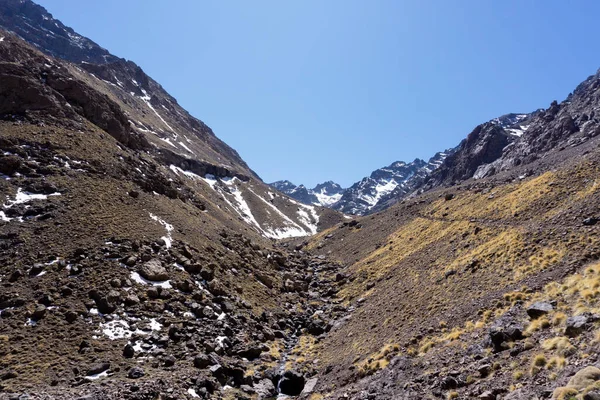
column 291, row 383
column 131, row 300
column 202, row 361
column 216, row 287
column 590, row 221
column 575, row 325
column 98, row 368
column 309, row 386
column 487, row 395
column 39, row 312
column 154, row 271
column 169, row 361
column 135, row 373
column 265, row 389
column 584, row 378
column 484, row 370
column 128, row 351
column 594, row 394
column 538, row 309
column 70, row 316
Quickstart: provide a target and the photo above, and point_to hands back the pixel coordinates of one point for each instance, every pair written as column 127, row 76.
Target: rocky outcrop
column 28, row 83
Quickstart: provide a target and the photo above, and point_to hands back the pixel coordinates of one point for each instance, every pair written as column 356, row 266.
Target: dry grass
column 561, row 344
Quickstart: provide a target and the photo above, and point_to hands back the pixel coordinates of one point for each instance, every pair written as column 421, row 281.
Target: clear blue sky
column 313, row 90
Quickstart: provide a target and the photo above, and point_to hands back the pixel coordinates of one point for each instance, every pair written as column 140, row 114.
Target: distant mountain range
column 387, row 185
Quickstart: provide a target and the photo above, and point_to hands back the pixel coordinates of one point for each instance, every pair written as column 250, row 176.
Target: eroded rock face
column 28, row 83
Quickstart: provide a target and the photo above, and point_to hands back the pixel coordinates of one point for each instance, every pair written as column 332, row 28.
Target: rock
column 538, row 309
column 448, row 196
column 39, row 312
column 202, row 361
column 169, row 361
column 584, row 378
column 98, row 368
column 250, row 353
column 207, row 274
column 128, row 351
column 129, row 261
column 484, row 370
column 265, row 389
column 505, row 329
column 153, row 292
column 448, row 382
column 576, row 325
column 216, row 287
column 291, row 383
column 135, row 373
column 154, row 271
column 590, row 221
column 131, row 300
column 593, row 395
column 264, row 279
column 10, row 374
column 309, row 386
column 71, row 316
column 487, row 395
column 134, row 193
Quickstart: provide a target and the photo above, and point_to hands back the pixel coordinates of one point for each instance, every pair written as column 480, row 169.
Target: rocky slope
column 135, row 243
column 141, row 115
column 138, row 255
column 478, row 288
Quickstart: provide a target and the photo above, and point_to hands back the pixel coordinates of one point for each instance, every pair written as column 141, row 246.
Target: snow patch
column 168, row 239
column 146, row 100
column 26, row 197
column 139, row 279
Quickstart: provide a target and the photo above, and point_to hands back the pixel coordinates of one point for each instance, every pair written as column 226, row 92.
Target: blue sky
column 317, row 90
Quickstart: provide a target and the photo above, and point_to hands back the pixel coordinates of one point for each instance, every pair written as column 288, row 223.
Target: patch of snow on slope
column 241, row 207
column 306, row 219
column 189, row 174
column 168, row 239
column 326, row 200
column 25, row 197
column 146, row 100
column 139, row 279
column 380, row 190
column 185, row 147
column 168, row 141
column 291, row 229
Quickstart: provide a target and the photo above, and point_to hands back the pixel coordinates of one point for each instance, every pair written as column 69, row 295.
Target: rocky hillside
column 141, row 258
column 138, row 255
column 141, row 115
column 478, row 288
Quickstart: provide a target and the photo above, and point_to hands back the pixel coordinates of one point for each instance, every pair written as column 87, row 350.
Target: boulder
column 135, row 373
column 576, row 325
column 538, row 309
column 202, row 361
column 128, row 351
column 309, row 386
column 291, row 383
column 154, row 271
column 584, row 378
column 265, row 389
column 39, row 312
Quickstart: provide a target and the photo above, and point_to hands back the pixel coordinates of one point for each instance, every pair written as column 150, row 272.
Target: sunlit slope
column 440, row 260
